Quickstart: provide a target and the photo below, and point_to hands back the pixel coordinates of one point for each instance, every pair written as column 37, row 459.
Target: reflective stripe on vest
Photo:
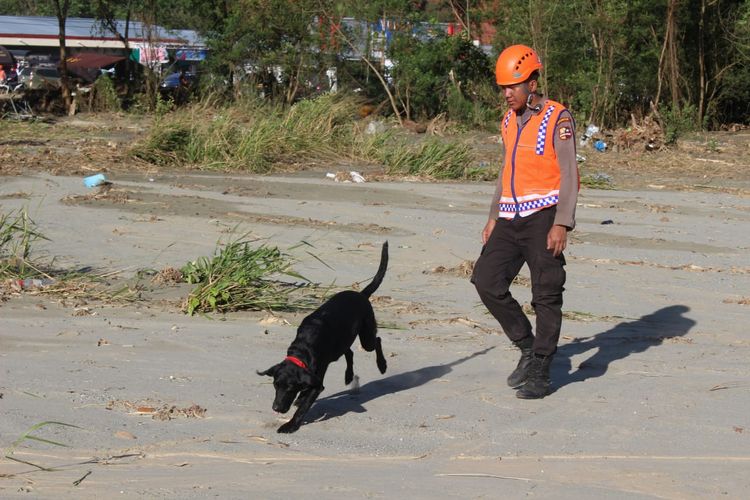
column 531, row 174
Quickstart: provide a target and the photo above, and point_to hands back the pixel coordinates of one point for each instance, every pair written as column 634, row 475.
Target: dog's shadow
column 617, row 343
column 347, row 401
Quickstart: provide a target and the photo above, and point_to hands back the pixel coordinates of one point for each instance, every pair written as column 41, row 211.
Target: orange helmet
column 515, row 64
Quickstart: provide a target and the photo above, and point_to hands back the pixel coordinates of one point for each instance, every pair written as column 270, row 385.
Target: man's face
column 516, row 95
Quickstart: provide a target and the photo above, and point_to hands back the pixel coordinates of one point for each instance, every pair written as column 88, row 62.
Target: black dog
column 322, row 338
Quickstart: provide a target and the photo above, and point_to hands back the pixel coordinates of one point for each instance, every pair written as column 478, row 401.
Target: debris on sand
column 743, row 301
column 105, row 192
column 124, row 435
column 168, row 276
column 645, row 134
column 16, row 285
column 94, row 180
column 399, row 306
column 352, row 176
column 158, row 411
column 460, row 320
column 463, row 270
column 274, row 320
column 170, row 412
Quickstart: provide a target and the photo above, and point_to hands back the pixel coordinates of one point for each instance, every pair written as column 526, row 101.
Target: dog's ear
column 271, row 372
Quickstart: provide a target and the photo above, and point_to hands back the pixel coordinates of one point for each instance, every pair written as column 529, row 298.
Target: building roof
column 82, row 32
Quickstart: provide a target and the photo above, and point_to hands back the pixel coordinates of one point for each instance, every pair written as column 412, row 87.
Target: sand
column 651, row 389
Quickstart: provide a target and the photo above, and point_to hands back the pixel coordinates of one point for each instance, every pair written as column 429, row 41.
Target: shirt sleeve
column 565, row 148
column 494, row 206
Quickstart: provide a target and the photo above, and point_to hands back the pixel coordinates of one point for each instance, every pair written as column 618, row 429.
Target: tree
column 428, row 74
column 108, row 12
column 275, row 47
column 77, row 8
column 149, row 13
column 61, row 11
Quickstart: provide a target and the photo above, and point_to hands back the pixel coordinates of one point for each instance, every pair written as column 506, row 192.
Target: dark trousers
column 513, row 242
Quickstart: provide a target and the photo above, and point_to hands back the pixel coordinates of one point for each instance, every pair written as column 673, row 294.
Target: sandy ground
column 652, row 394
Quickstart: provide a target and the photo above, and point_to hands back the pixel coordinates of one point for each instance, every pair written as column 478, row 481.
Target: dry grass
column 90, row 143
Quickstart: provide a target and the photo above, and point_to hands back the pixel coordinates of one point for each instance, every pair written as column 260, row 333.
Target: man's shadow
column 617, row 343
column 347, row 401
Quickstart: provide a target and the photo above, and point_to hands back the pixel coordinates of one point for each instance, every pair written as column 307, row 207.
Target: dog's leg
column 349, row 374
column 371, row 342
column 380, row 359
column 301, row 397
column 304, row 404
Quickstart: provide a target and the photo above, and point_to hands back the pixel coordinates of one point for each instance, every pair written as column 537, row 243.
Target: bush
column 432, row 76
column 677, row 122
column 103, row 95
column 481, row 111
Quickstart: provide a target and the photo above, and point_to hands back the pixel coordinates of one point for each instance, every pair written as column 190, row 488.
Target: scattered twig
column 478, row 474
column 45, row 469
column 79, row 481
column 728, row 385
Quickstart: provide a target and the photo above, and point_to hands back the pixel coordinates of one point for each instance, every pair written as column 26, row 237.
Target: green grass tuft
column 28, row 436
column 432, row 158
column 597, row 181
column 18, row 233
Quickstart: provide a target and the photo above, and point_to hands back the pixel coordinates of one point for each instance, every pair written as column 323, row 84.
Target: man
column 11, row 77
column 2, row 74
column 531, row 213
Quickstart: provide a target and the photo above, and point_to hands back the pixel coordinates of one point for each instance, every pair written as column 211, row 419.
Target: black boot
column 519, row 375
column 537, row 383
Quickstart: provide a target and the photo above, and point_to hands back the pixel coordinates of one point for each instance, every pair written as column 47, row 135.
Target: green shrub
column 677, row 122
column 430, row 74
column 103, row 96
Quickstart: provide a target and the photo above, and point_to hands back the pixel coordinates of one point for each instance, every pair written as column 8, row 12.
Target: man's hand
column 557, row 239
column 487, row 231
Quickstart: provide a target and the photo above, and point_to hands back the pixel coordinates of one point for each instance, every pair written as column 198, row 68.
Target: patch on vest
column 564, row 133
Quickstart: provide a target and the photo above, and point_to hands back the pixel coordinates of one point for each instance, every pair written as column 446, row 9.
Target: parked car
column 172, row 81
column 172, row 87
column 39, row 77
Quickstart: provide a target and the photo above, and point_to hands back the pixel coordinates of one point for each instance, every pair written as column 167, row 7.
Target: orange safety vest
column 531, row 174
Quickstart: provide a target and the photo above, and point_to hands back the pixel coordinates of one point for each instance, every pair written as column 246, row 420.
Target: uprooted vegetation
column 242, row 277
column 237, row 277
column 21, row 269
column 18, row 233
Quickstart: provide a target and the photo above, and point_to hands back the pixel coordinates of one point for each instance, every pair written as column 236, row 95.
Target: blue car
column 172, row 81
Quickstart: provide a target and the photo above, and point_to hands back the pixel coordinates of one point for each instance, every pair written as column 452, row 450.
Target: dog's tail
column 370, row 289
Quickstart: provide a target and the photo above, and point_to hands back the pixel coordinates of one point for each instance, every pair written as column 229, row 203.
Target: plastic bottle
column 34, row 282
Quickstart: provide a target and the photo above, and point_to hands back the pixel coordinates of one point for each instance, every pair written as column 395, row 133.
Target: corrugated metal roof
column 83, row 28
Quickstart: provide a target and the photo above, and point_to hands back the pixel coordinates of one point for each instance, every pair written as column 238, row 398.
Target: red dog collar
column 297, row 362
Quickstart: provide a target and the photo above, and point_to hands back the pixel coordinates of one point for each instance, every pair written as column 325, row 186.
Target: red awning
column 91, row 60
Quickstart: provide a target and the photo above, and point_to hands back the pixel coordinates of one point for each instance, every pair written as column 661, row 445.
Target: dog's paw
column 354, row 389
column 382, row 366
column 287, row 428
column 348, row 377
